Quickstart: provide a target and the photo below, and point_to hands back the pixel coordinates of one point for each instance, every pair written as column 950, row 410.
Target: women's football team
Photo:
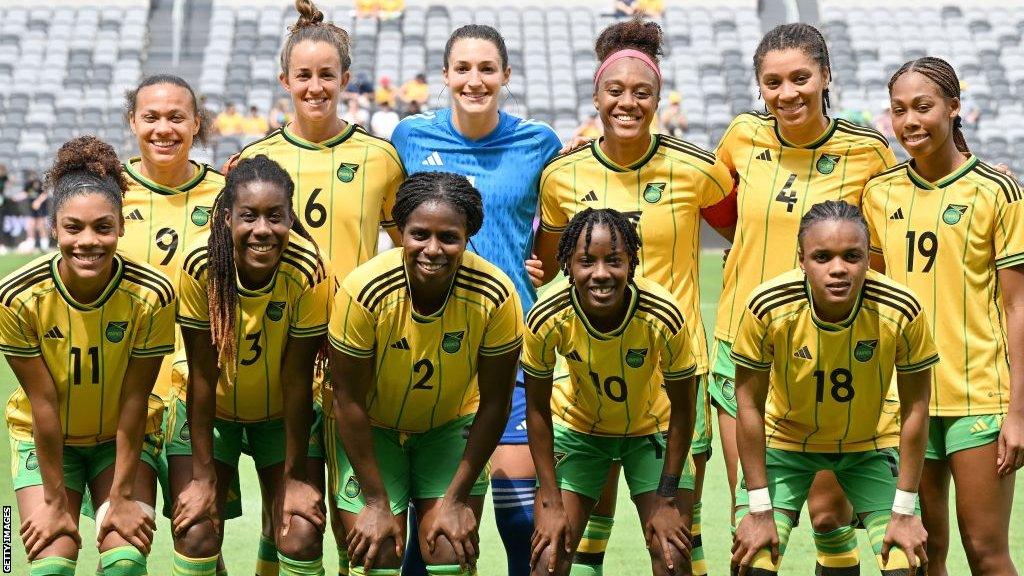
column 416, row 377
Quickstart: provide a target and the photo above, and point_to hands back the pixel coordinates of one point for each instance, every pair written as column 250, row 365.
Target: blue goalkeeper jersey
column 505, row 166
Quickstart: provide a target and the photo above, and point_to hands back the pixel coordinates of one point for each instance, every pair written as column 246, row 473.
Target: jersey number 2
column 428, row 371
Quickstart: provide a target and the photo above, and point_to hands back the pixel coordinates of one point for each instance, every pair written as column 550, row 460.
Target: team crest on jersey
column 452, row 341
column 653, row 191
column 864, row 350
column 952, row 214
column 635, row 357
column 201, row 215
column 347, row 172
column 115, row 331
column 827, row 163
column 31, row 463
column 352, row 487
column 275, row 310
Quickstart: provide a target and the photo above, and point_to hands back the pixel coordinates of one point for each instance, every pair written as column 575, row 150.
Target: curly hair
column 634, row 33
column 85, row 165
column 831, row 210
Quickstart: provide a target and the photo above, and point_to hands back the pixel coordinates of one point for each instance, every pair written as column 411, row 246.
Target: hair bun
column 309, row 14
column 86, row 154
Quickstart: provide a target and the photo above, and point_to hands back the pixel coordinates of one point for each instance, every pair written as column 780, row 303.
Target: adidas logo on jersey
column 803, row 352
column 134, row 215
column 897, row 215
column 54, row 333
column 433, row 160
column 573, row 355
column 402, row 344
column 589, row 197
column 766, row 155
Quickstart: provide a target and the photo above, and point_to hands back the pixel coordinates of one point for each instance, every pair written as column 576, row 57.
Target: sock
column 123, row 561
column 837, row 553
column 589, row 558
column 343, row 562
column 185, row 566
column 447, row 570
column 697, row 562
column 290, row 567
column 513, row 513
column 762, row 563
column 266, row 558
column 360, row 571
column 876, row 524
column 52, row 566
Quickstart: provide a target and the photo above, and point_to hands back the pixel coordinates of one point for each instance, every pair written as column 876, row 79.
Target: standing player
column 426, row 341
column 785, row 161
column 623, row 339
column 664, row 186
column 947, row 221
column 502, row 156
column 345, row 179
column 826, row 337
column 259, row 291
column 85, row 331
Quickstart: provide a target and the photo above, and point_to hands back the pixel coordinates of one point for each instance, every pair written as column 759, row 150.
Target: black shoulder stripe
column 485, row 278
column 890, row 304
column 309, row 263
column 158, row 279
column 659, row 313
column 671, row 308
column 908, row 305
column 769, row 306
column 261, row 140
column 304, row 270
column 195, row 260
column 850, row 128
column 380, row 295
column 485, row 288
column 539, row 317
column 774, row 292
column 1011, row 189
column 461, row 283
column 24, row 281
column 554, row 302
column 312, row 256
column 900, row 293
column 897, row 168
column 145, row 282
column 375, row 284
column 687, row 148
column 569, row 153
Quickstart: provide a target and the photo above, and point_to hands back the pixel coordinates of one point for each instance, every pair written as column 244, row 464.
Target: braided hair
column 452, row 189
column 834, row 210
column 583, row 223
column 311, row 26
column 222, row 294
column 942, row 75
column 798, row 36
column 85, row 165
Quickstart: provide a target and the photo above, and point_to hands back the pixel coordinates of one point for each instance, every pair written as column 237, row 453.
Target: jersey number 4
column 787, row 195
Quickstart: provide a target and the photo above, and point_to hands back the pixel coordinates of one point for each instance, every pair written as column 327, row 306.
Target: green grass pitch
column 625, row 551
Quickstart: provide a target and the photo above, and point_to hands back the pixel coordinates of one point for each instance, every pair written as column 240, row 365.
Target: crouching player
column 827, row 337
column 621, row 337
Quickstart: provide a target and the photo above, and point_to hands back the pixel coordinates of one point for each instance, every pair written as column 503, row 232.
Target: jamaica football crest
column 653, row 192
column 452, row 341
column 347, row 172
column 952, row 214
column 827, row 163
column 635, row 357
column 115, row 331
column 201, row 215
column 864, row 350
column 275, row 310
column 352, row 487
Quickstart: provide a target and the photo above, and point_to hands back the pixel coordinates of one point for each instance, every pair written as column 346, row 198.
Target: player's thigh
column 393, row 465
column 583, row 461
column 868, row 478
column 31, row 499
column 983, row 498
column 827, row 504
column 512, row 461
column 643, row 460
column 144, row 486
column 790, row 475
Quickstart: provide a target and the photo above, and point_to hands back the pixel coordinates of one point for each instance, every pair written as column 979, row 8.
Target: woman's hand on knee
column 304, row 500
column 457, row 522
column 908, row 534
column 49, row 522
column 551, row 532
column 195, row 504
column 666, row 530
column 127, row 519
column 374, row 526
column 755, row 532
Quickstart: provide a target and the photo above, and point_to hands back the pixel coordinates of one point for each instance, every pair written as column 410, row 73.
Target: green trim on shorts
column 868, row 478
column 582, row 461
column 81, row 464
column 950, row 434
column 722, row 378
column 703, row 433
column 413, row 466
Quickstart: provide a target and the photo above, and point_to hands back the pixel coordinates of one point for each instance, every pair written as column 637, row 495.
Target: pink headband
column 627, row 53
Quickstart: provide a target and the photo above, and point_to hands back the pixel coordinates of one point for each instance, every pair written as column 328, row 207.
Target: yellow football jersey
column 829, row 381
column 86, row 347
column 778, row 184
column 662, row 193
column 954, row 235
column 344, row 189
column 615, row 378
column 295, row 303
column 159, row 223
column 426, row 366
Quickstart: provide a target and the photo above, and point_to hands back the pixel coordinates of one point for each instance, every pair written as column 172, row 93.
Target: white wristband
column 904, row 502
column 759, row 500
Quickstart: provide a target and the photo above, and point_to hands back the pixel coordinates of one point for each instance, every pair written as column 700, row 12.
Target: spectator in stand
column 38, row 205
column 970, row 113
column 255, row 125
column 415, row 90
column 362, row 85
column 390, row 9
column 383, row 121
column 280, row 114
column 385, row 92
column 354, row 113
column 631, row 8
column 625, row 8
column 367, row 8
column 229, row 122
column 4, row 177
column 412, row 109
column 673, row 119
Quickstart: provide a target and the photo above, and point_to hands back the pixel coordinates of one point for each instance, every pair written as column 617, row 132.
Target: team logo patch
column 827, row 163
column 115, row 331
column 201, row 215
column 452, row 341
column 635, row 357
column 31, row 463
column 559, row 456
column 352, row 488
column 952, row 214
column 653, row 191
column 185, row 433
column 864, row 350
column 275, row 310
column 729, row 389
column 347, row 172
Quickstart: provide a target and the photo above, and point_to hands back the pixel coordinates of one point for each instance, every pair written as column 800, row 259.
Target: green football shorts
column 949, row 434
